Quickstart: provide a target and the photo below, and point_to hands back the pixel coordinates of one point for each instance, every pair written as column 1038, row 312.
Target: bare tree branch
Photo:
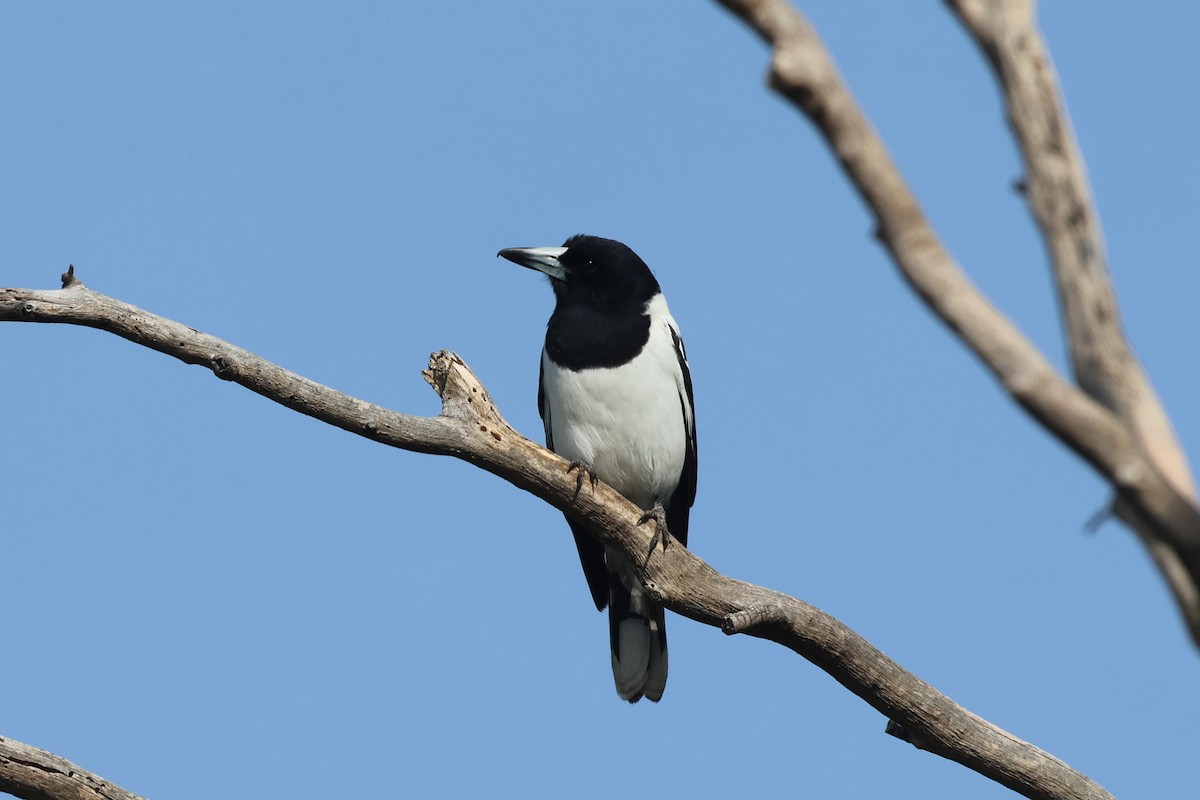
column 1159, row 508
column 34, row 774
column 470, row 428
column 1059, row 195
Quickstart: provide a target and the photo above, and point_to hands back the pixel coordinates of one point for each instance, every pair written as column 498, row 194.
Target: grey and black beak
column 543, row 259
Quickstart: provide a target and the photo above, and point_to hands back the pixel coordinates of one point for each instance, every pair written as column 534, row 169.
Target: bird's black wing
column 685, row 493
column 591, row 552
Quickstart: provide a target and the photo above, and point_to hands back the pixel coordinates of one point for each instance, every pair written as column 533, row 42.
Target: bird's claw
column 658, row 515
column 582, row 468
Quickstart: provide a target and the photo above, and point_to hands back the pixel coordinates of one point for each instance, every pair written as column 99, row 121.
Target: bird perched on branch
column 615, row 395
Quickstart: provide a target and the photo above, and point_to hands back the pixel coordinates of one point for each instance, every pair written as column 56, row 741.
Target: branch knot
column 222, row 368
column 752, row 617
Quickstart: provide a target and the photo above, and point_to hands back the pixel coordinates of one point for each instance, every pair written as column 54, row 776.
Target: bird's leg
column 582, row 468
column 659, row 516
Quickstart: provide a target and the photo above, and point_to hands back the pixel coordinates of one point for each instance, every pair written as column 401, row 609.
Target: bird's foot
column 658, row 515
column 582, row 468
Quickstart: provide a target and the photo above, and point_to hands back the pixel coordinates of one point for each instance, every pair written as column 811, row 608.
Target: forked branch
column 1113, row 419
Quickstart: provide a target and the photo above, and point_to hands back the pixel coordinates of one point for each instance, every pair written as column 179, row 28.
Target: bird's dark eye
column 588, row 267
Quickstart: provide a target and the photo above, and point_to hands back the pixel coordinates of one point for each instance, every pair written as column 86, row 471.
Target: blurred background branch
column 1113, row 419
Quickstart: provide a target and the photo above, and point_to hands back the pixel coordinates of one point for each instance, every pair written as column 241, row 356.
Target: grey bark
column 471, row 428
column 1112, row 418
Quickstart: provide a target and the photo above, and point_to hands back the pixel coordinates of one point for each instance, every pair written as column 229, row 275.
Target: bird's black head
column 591, row 271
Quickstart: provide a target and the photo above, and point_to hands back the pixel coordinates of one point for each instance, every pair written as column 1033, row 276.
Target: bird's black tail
column 637, row 633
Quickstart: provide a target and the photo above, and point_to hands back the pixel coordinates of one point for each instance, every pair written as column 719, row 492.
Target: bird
column 615, row 397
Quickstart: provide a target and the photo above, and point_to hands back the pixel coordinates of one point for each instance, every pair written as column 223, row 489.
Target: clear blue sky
column 208, row 594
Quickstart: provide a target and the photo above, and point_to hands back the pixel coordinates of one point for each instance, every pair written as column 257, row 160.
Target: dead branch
column 1115, row 423
column 31, row 773
column 470, row 428
column 1059, row 195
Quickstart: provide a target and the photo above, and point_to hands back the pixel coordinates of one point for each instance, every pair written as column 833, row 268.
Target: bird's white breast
column 627, row 422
